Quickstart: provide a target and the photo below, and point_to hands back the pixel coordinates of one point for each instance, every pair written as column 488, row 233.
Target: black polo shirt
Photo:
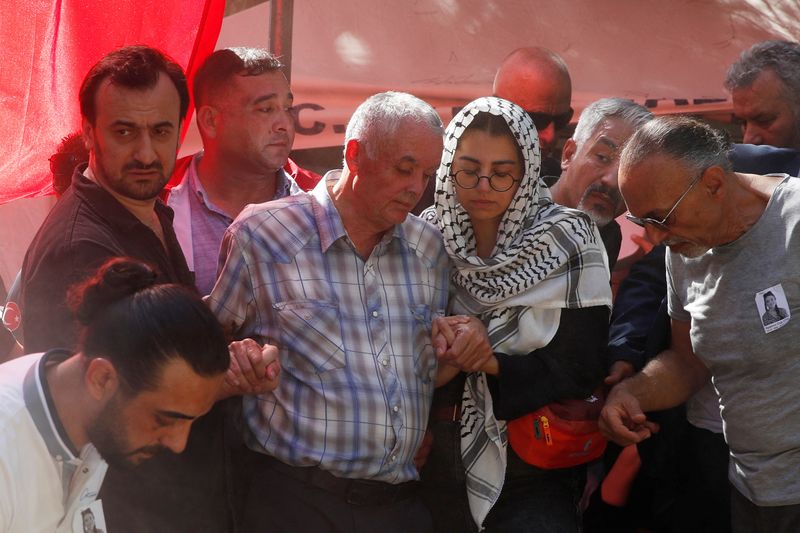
column 85, row 228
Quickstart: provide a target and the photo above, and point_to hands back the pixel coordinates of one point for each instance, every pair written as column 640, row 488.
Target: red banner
column 49, row 45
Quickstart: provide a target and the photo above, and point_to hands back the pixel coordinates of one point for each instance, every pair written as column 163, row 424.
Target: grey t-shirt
column 755, row 364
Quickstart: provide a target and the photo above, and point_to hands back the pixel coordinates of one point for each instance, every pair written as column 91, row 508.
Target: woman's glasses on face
column 469, row 179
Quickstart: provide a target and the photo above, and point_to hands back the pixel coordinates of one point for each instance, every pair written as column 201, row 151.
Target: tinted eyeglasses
column 469, row 179
column 662, row 224
column 542, row 120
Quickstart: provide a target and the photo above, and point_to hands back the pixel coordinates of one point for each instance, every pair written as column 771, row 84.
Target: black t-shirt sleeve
column 48, row 322
column 572, row 365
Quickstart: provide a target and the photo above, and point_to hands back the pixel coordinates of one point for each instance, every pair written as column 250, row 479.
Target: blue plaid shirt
column 354, row 334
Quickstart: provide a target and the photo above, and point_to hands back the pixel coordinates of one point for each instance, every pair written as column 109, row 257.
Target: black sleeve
column 572, row 365
column 636, row 308
column 47, row 320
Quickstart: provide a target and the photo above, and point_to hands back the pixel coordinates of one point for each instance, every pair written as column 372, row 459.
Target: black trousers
column 747, row 517
column 298, row 499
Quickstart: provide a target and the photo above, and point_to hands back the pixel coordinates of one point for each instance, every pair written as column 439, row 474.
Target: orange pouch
column 559, row 434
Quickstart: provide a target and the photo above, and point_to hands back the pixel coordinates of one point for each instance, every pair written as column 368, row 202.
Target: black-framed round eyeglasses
column 469, row 179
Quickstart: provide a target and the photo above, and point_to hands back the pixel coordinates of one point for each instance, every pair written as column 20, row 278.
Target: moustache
column 149, row 450
column 612, row 194
column 138, row 165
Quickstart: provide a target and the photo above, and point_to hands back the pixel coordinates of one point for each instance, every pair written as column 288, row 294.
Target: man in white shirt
column 152, row 360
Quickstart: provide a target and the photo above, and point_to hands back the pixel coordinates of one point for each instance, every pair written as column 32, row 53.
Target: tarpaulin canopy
column 49, row 45
column 671, row 56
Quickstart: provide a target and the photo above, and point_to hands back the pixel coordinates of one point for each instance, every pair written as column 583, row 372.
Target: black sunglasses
column 542, row 120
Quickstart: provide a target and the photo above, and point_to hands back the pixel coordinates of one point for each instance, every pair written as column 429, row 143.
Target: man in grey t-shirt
column 723, row 229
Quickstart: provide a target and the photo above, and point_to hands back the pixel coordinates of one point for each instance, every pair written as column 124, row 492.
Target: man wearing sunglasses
column 731, row 239
column 538, row 81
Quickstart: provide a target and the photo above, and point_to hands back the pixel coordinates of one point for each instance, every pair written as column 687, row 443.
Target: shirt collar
column 108, row 207
column 284, row 187
column 329, row 222
column 40, row 406
column 196, row 188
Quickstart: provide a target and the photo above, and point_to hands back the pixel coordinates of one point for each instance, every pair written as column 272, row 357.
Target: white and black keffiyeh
column 547, row 258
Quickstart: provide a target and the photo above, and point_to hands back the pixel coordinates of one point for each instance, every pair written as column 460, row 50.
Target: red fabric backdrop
column 47, row 48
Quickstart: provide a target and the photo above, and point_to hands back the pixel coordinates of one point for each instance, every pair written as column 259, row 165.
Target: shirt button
column 375, row 313
column 393, row 458
column 396, row 408
column 385, row 361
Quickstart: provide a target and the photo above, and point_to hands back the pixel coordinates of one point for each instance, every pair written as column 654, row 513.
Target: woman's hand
column 462, row 342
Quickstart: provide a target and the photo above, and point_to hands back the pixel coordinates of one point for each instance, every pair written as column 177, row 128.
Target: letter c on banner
column 315, row 128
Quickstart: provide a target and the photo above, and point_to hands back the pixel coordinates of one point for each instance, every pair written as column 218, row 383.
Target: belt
column 445, row 413
column 355, row 491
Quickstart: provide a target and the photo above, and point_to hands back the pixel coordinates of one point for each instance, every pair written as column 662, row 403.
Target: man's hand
column 253, row 370
column 622, row 419
column 619, row 370
column 462, row 341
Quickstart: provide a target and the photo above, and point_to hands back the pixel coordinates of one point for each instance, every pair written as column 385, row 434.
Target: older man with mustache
column 719, row 225
column 590, row 163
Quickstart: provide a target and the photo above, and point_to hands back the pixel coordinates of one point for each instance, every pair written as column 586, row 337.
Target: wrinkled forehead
column 246, row 89
column 648, row 182
column 411, row 140
column 612, row 132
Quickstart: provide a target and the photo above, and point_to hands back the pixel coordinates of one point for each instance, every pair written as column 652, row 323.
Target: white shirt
column 44, row 482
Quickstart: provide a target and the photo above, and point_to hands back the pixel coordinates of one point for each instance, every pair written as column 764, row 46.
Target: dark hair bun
column 116, row 279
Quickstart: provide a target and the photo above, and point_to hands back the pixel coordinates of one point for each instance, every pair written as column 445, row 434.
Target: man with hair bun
column 150, row 361
column 133, row 102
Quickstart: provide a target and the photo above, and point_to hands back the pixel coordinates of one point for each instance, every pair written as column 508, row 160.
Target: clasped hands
column 254, row 369
column 462, row 342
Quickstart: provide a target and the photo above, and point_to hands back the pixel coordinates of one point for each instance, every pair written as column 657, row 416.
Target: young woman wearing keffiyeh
column 536, row 275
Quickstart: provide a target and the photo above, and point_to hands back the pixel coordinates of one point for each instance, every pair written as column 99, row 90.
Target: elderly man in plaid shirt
column 346, row 284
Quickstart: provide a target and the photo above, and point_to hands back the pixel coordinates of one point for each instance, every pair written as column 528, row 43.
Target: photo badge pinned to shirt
column 773, row 308
column 89, row 519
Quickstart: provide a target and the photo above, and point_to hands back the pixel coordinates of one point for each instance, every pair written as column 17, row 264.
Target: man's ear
column 208, row 120
column 87, row 132
column 570, row 148
column 351, row 153
column 713, row 180
column 101, row 378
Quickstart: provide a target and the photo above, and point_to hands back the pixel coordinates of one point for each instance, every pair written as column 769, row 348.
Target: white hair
column 379, row 117
column 597, row 112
